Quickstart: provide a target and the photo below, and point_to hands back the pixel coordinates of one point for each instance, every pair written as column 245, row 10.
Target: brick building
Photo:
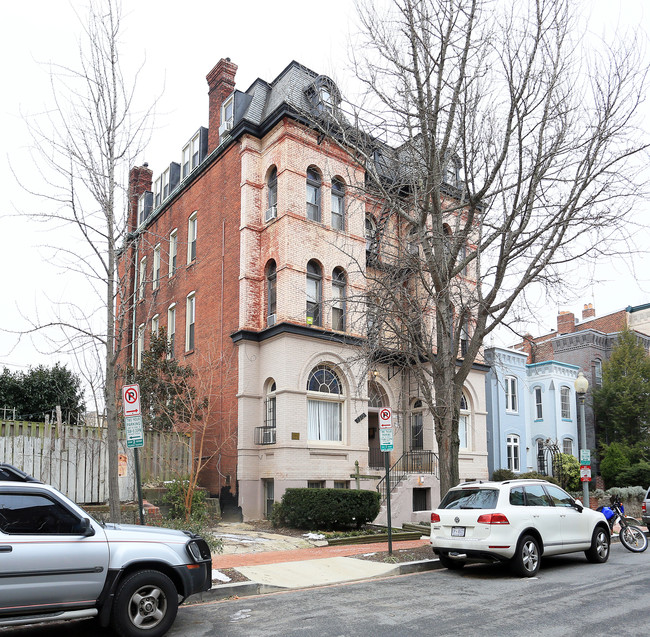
column 247, row 252
column 587, row 344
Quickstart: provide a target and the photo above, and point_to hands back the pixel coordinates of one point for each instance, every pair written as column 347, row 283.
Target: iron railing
column 410, row 462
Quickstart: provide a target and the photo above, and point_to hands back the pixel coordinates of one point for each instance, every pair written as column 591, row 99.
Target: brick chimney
column 140, row 180
column 221, row 83
column 588, row 311
column 566, row 323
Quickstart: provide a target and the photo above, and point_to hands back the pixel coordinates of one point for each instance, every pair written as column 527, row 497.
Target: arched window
column 376, row 396
column 463, row 423
column 338, row 204
column 313, row 194
column 417, row 426
column 324, row 405
column 314, row 293
column 371, row 236
column 338, row 300
column 271, row 292
column 512, row 452
column 270, row 412
column 464, row 337
column 541, row 457
column 567, row 446
column 272, row 185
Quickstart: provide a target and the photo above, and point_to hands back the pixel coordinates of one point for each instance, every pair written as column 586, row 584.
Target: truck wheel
column 145, row 604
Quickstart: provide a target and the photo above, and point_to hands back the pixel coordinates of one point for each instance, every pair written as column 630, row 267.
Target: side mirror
column 86, row 528
column 578, row 505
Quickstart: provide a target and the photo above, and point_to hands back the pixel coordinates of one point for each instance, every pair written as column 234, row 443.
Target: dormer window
column 227, row 114
column 323, row 95
column 145, row 203
column 451, row 172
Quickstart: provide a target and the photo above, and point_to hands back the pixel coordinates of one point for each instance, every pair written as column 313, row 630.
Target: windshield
column 474, row 498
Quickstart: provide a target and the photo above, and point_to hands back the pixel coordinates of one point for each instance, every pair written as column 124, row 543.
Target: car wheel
column 527, row 558
column 450, row 562
column 598, row 552
column 146, row 603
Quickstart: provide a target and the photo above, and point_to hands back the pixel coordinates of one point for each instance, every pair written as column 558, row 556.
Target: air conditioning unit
column 270, row 320
column 271, row 213
column 227, row 125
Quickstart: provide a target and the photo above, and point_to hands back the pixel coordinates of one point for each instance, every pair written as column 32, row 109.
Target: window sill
column 189, row 352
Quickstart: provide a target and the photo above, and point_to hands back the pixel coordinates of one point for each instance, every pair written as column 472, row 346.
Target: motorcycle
column 630, row 535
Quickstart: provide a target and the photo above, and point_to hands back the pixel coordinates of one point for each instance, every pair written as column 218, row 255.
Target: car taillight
column 492, row 518
column 643, row 507
column 435, row 517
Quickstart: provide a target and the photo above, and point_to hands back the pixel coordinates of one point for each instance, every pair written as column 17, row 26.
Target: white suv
column 516, row 521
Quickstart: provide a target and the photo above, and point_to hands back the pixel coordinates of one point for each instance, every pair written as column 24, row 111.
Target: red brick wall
column 214, row 277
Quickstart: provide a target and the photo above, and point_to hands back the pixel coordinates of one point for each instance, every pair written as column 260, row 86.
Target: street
column 569, row 597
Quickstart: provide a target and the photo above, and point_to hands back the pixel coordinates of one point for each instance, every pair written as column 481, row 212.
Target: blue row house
column 532, row 412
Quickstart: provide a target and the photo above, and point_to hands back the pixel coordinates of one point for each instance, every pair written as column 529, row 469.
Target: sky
column 177, row 44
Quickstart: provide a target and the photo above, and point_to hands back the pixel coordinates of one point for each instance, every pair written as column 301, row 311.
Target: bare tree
column 500, row 152
column 83, row 149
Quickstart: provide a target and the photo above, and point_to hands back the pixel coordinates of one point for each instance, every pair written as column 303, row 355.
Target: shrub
column 638, row 473
column 626, row 494
column 568, row 467
column 498, row 475
column 614, row 460
column 326, row 508
column 175, row 498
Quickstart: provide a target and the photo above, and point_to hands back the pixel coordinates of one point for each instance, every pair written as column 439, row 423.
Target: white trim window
column 171, row 329
column 155, row 324
column 156, row 267
column 228, row 113
column 314, row 293
column 140, row 350
column 338, row 299
column 191, row 154
column 173, row 251
column 314, row 183
column 567, row 446
column 190, row 320
column 539, row 411
column 512, row 404
column 565, row 403
column 512, row 452
column 463, row 423
column 338, row 204
column 192, row 234
column 143, row 278
column 324, row 405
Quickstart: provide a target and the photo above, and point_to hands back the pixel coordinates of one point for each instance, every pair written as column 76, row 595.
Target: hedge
column 326, row 509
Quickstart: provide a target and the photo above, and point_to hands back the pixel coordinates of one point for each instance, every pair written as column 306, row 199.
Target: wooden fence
column 75, row 459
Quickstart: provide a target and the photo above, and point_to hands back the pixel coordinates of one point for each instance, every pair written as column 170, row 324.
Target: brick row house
column 250, row 252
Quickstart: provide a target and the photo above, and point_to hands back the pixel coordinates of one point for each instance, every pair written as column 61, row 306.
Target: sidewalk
column 277, row 570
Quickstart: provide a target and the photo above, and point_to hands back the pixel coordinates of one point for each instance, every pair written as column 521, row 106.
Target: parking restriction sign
column 385, row 418
column 131, row 400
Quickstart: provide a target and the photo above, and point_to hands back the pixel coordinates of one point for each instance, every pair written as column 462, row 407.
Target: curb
column 247, row 589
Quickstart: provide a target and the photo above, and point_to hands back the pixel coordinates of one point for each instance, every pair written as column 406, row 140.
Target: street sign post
column 134, row 432
column 386, row 445
column 585, row 456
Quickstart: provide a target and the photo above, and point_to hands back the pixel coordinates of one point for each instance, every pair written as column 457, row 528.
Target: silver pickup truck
column 57, row 563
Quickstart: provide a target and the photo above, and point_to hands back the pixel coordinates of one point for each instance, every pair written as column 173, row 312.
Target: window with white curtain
column 324, row 405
